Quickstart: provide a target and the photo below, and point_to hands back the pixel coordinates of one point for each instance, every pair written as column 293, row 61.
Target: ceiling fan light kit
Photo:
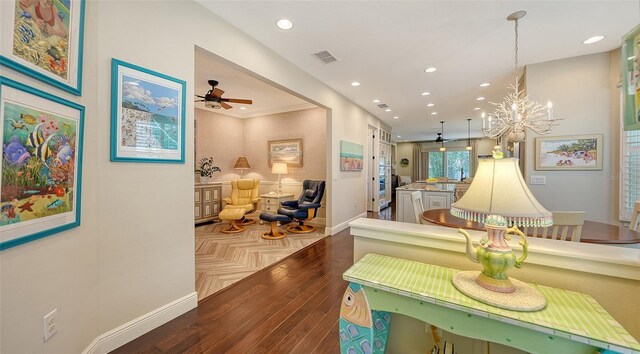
column 213, row 98
column 517, row 112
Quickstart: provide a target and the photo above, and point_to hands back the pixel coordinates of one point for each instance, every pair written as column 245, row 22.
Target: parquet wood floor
column 223, row 259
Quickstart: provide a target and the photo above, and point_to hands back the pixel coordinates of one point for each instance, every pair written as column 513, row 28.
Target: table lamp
column 279, row 168
column 241, row 164
column 499, row 198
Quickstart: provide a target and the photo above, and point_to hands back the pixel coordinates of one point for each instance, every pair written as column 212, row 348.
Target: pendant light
column 468, row 134
column 442, row 148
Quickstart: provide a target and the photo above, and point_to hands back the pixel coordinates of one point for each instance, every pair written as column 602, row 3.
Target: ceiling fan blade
column 217, row 92
column 236, row 100
column 200, row 96
column 225, row 106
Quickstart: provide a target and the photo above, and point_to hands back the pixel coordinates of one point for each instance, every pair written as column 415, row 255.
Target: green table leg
column 362, row 331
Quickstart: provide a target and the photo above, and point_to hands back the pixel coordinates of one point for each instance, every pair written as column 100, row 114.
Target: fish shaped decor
column 362, row 331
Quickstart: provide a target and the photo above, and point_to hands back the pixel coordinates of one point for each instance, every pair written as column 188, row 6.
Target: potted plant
column 206, row 169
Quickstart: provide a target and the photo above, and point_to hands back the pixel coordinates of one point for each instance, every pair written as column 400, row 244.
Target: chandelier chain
column 516, row 68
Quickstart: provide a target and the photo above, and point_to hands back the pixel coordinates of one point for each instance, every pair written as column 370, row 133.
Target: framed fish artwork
column 147, row 115
column 41, row 167
column 44, row 39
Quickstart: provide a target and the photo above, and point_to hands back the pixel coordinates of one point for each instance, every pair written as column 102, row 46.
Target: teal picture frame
column 148, row 115
column 59, row 65
column 31, row 210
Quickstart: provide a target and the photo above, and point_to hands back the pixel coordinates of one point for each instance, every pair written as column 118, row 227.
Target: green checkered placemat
column 568, row 314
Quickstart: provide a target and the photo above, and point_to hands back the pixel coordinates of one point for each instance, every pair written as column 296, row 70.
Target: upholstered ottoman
column 273, row 219
column 233, row 215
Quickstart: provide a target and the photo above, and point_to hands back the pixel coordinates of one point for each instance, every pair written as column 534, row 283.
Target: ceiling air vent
column 325, row 57
column 383, row 105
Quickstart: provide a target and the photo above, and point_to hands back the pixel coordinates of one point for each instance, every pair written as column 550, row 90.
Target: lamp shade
column 499, row 189
column 279, row 168
column 242, row 163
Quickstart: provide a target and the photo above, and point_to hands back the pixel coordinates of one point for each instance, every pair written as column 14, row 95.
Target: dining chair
column 567, row 226
column 418, row 207
column 635, row 217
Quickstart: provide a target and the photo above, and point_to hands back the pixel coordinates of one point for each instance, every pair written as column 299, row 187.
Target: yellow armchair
column 244, row 195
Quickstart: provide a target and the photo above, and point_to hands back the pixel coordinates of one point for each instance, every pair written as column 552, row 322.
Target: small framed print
column 147, row 115
column 573, row 152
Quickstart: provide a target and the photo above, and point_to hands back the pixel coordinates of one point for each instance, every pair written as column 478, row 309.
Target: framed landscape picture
column 351, row 156
column 147, row 115
column 287, row 151
column 574, row 152
column 44, row 39
column 41, row 163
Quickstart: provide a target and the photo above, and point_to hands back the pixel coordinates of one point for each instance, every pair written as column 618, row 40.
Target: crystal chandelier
column 517, row 112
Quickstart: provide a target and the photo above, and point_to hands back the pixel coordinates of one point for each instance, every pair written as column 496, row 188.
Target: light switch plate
column 538, row 180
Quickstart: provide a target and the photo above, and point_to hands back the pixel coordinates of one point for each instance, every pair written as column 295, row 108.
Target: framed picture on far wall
column 41, row 164
column 573, row 152
column 147, row 115
column 44, row 39
column 351, row 156
column 287, row 151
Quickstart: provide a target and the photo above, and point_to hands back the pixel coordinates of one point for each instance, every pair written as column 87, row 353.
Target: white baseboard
column 334, row 230
column 133, row 329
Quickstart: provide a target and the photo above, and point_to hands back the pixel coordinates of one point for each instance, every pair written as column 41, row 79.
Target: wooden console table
column 571, row 323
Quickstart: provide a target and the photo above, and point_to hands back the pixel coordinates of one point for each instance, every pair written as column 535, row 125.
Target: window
column 630, row 174
column 451, row 164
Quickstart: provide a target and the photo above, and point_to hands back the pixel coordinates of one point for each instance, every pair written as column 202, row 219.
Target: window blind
column 630, row 176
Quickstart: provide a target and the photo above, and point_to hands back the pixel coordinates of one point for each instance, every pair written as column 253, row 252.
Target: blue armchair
column 305, row 208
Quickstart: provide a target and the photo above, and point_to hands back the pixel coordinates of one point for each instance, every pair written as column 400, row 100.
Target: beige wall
column 583, row 93
column 308, row 125
column 221, row 137
column 225, row 138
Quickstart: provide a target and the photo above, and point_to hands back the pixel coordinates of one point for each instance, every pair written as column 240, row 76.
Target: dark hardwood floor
column 289, row 307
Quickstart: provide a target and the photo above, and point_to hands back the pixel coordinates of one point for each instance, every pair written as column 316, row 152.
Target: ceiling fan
column 214, row 99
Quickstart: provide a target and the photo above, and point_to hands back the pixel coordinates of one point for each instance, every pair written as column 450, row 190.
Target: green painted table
column 571, row 323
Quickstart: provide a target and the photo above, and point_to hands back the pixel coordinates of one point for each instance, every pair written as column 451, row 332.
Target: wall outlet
column 50, row 324
column 538, row 179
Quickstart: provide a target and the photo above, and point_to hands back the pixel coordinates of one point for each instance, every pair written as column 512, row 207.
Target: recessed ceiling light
column 396, row 117
column 355, row 83
column 430, row 70
column 476, row 109
column 480, row 98
column 243, row 108
column 284, row 24
column 430, row 105
column 399, row 136
column 434, row 113
column 485, row 84
column 388, row 110
column 593, row 39
column 425, row 93
column 376, row 101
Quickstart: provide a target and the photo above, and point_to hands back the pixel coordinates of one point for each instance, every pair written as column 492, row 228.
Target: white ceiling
column 386, row 45
column 237, row 84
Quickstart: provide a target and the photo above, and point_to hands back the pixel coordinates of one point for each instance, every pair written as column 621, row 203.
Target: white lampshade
column 279, row 168
column 499, row 189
